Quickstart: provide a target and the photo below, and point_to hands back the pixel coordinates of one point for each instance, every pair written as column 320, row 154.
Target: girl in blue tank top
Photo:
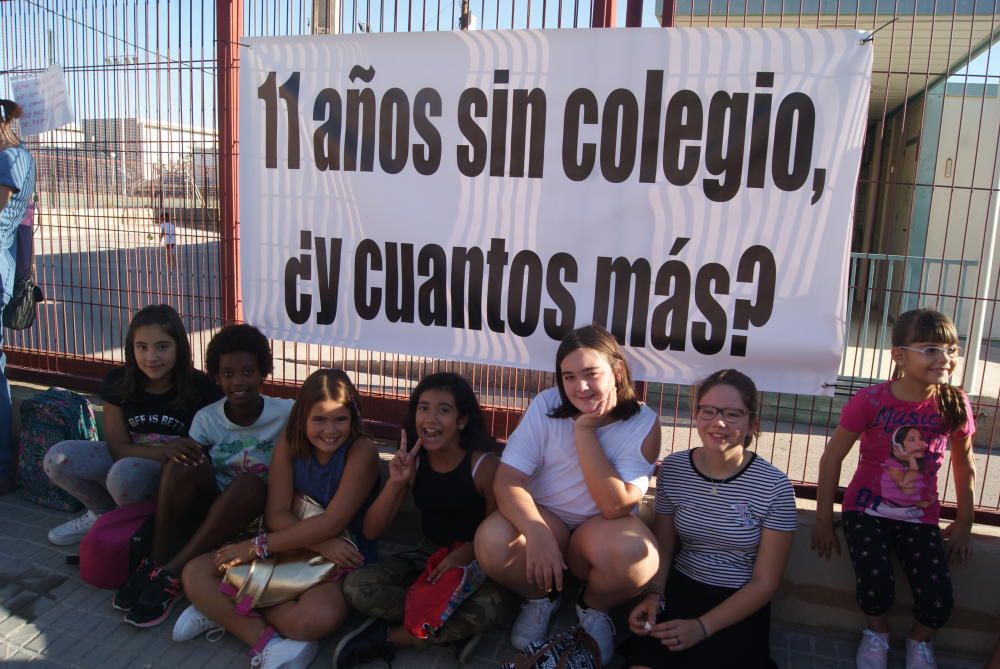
column 324, row 454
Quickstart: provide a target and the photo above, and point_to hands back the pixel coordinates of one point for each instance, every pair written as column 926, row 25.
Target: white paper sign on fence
column 44, row 100
column 475, row 195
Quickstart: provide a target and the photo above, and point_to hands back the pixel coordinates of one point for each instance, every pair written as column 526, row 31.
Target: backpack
column 569, row 649
column 429, row 605
column 114, row 545
column 19, row 313
column 46, row 419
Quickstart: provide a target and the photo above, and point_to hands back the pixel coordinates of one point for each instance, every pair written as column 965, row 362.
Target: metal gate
column 154, row 89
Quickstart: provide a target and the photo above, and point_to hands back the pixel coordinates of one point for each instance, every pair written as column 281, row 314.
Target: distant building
column 126, row 156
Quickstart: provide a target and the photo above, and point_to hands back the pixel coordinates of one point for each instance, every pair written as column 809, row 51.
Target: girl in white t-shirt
column 168, row 236
column 570, row 480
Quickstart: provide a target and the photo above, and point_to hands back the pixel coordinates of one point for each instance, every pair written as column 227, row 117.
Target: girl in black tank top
column 450, row 470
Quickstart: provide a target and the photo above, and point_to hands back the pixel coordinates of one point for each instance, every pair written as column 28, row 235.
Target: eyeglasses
column 709, row 412
column 934, row 352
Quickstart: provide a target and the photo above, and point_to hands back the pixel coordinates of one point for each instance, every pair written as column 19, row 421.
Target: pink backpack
column 116, row 543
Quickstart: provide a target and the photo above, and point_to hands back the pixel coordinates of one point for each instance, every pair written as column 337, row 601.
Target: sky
column 155, row 58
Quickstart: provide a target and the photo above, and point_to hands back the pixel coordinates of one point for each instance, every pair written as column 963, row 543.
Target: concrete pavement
column 49, row 618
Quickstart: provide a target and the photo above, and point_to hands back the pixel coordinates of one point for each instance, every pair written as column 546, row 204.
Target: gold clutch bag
column 285, row 576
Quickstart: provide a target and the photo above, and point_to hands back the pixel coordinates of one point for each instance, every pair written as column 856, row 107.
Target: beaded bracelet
column 260, row 547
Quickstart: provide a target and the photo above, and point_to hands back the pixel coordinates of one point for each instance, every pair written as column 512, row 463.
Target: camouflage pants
column 379, row 591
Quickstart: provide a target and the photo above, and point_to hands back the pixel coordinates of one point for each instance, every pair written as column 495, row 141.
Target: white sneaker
column 873, row 651
column 533, row 622
column 920, row 655
column 192, row 623
column 72, row 531
column 599, row 626
column 282, row 653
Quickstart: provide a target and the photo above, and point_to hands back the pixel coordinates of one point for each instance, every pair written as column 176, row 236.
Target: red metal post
column 633, row 14
column 669, row 10
column 229, row 19
column 604, row 14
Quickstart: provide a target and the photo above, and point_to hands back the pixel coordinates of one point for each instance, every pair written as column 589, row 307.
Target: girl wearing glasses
column 724, row 522
column 570, row 480
column 912, row 418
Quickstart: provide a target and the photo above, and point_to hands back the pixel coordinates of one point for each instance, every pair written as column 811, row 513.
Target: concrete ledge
column 820, row 593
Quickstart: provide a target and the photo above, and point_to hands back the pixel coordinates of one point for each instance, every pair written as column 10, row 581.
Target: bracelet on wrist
column 704, row 631
column 654, row 589
column 260, row 547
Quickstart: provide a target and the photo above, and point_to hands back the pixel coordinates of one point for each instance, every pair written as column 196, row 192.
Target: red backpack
column 116, row 543
column 429, row 605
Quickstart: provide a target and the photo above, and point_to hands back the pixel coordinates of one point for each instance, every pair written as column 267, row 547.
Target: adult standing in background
column 17, row 184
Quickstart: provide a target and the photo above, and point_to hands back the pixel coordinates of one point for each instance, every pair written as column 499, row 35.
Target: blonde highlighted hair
column 323, row 385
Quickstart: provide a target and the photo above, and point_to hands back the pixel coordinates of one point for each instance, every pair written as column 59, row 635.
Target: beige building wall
column 966, row 172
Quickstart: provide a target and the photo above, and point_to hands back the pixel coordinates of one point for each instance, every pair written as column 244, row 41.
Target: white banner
column 475, row 195
column 44, row 100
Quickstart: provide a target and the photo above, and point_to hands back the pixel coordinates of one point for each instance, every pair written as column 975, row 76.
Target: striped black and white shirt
column 719, row 532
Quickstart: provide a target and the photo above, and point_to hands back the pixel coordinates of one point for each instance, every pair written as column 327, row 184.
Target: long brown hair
column 323, row 385
column 9, row 110
column 598, row 339
column 181, row 376
column 744, row 385
column 933, row 327
column 475, row 435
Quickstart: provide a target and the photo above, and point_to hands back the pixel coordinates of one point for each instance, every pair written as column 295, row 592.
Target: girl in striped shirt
column 724, row 523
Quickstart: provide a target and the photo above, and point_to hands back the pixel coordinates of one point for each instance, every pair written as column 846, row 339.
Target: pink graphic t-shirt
column 902, row 448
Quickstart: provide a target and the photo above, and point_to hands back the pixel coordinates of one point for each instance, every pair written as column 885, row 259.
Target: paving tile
column 39, row 643
column 23, row 635
column 10, row 624
column 81, row 655
column 97, row 655
column 138, row 650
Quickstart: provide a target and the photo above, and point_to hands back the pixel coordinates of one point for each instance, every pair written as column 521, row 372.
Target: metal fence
column 154, row 89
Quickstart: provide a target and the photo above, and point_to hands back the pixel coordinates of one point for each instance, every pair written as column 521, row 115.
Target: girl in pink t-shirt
column 891, row 504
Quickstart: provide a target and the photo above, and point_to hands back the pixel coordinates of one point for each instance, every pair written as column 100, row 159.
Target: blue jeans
column 7, row 453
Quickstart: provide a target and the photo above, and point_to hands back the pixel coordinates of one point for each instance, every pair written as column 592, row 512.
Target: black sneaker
column 156, row 601
column 370, row 641
column 128, row 594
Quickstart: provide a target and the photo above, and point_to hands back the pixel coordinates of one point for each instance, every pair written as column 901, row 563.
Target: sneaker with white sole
column 920, row 655
column 72, row 531
column 192, row 623
column 599, row 626
column 873, row 651
column 469, row 647
column 532, row 623
column 285, row 654
column 368, row 641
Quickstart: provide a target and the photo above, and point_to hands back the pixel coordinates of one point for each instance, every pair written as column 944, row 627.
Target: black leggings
column 745, row 644
column 921, row 553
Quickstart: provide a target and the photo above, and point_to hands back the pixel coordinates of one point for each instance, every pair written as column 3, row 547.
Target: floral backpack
column 46, row 419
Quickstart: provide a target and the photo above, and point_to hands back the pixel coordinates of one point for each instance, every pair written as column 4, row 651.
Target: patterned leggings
column 86, row 470
column 921, row 553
